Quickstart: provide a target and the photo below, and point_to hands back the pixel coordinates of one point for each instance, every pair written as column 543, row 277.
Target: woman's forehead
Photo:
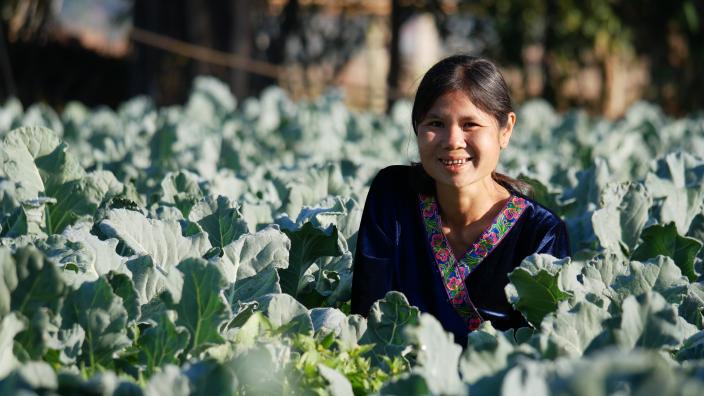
column 456, row 103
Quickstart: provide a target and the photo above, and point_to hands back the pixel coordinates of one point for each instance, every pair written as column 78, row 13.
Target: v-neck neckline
column 453, row 272
column 482, row 235
column 485, row 243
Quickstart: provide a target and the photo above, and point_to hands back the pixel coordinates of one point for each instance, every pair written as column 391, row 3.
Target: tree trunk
column 241, row 44
column 8, row 86
column 394, row 53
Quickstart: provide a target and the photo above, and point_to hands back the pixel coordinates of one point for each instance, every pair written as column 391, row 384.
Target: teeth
column 453, row 162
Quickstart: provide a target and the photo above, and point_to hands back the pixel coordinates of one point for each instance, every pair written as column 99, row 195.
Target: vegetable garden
column 207, row 249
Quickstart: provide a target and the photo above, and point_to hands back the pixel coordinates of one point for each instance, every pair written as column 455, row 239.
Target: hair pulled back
column 482, row 82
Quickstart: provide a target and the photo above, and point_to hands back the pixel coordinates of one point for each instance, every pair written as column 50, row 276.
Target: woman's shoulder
column 539, row 215
column 392, row 186
column 404, row 179
column 394, row 173
column 394, row 177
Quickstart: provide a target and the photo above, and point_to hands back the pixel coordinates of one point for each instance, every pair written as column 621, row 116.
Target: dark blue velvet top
column 393, row 253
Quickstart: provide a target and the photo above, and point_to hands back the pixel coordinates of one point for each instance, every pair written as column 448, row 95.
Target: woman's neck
column 469, row 204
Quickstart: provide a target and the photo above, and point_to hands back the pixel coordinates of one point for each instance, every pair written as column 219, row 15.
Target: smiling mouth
column 454, row 162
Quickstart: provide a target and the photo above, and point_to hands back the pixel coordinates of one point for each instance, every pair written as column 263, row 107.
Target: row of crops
column 207, row 249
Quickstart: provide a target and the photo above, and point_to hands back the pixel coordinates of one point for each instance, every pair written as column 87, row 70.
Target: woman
column 448, row 231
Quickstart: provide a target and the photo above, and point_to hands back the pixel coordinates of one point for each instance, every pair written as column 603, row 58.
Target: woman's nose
column 454, row 138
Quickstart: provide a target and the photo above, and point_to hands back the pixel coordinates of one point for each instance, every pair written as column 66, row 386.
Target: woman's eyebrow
column 469, row 117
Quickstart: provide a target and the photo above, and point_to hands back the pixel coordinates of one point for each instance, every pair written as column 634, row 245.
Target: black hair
column 482, row 82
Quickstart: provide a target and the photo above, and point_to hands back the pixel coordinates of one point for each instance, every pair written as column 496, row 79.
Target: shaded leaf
column 624, row 212
column 162, row 344
column 387, row 320
column 102, row 316
column 534, row 289
column 438, row 355
column 307, row 244
column 201, row 309
column 162, row 240
column 664, row 240
column 220, row 218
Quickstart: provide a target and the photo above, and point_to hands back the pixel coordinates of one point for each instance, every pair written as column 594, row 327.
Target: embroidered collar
column 454, row 271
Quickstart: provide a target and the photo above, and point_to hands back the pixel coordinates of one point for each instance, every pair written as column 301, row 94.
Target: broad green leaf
column 100, row 312
column 201, row 309
column 315, row 184
column 102, row 252
column 692, row 306
column 253, row 287
column 170, row 380
column 664, row 240
column 211, row 378
column 338, row 385
column 252, row 329
column 387, row 320
column 649, row 321
column 284, row 310
column 30, row 218
column 693, row 348
column 181, row 190
column 220, row 218
column 149, row 280
column 8, row 280
column 103, row 383
column 571, row 329
column 411, row 384
column 252, row 254
column 486, row 354
column 161, row 240
column 260, row 369
column 162, row 344
column 41, row 114
column 600, row 273
column 678, row 180
column 612, row 372
column 307, row 244
column 334, row 279
column 38, row 336
column 70, row 343
column 123, row 286
column 327, row 320
column 210, row 101
column 588, row 190
column 82, row 256
column 526, row 378
column 658, row 274
column 48, row 169
column 352, row 331
column 342, row 213
column 76, row 200
column 624, row 212
column 257, row 215
column 29, row 379
column 39, row 283
column 37, row 158
column 9, row 327
column 438, row 355
column 534, row 289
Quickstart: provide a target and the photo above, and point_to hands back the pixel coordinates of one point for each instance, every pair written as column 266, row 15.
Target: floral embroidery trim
column 454, row 271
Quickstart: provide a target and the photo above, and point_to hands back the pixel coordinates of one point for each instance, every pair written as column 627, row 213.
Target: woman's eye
column 435, row 124
column 469, row 125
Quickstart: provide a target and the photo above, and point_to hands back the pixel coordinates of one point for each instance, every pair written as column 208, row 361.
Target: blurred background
column 601, row 55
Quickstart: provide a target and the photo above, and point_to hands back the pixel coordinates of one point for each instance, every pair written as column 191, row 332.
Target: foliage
column 155, row 251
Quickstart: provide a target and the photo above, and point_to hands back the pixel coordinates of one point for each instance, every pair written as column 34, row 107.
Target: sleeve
column 372, row 270
column 556, row 241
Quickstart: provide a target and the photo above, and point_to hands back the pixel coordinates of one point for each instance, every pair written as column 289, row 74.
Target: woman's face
column 459, row 144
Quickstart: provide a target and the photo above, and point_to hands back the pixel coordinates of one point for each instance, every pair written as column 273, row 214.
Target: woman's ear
column 507, row 130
